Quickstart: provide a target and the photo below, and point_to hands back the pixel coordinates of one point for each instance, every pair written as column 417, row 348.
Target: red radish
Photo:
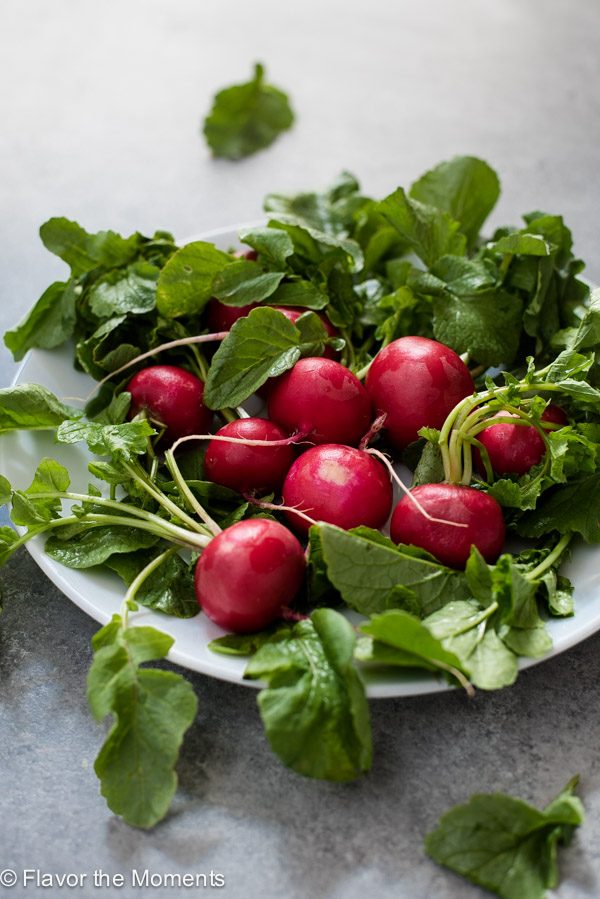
column 259, row 469
column 340, row 485
column 323, row 399
column 220, row 317
column 448, row 543
column 172, row 397
column 250, row 255
column 248, row 574
column 416, row 382
column 515, row 449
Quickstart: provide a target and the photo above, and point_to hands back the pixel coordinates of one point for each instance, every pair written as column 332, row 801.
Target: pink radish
column 248, row 574
column 172, row 397
column 451, row 545
column 323, row 399
column 340, row 485
column 416, row 382
column 515, row 449
column 247, row 468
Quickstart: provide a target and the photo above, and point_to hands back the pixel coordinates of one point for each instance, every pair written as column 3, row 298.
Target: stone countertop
column 100, row 114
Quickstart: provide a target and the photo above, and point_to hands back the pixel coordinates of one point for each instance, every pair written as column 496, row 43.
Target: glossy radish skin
column 323, row 398
column 248, row 574
column 451, row 545
column 340, row 485
column 515, row 449
column 220, row 317
column 416, row 382
column 172, row 397
column 257, row 469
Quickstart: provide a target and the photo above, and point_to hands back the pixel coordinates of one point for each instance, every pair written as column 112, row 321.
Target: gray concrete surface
column 100, row 115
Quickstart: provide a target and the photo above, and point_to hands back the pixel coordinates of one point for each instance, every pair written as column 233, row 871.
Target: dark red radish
column 247, row 468
column 515, row 449
column 248, row 574
column 416, row 382
column 172, row 397
column 323, row 399
column 340, row 485
column 250, row 255
column 220, row 317
column 480, row 513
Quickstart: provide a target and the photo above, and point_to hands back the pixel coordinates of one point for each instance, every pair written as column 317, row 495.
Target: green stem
column 128, row 600
column 551, row 558
column 141, row 478
column 187, row 494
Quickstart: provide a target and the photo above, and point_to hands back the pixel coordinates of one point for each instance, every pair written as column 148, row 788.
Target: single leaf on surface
column 505, row 845
column 365, row 572
column 259, row 346
column 314, row 708
column 83, row 251
column 31, row 407
column 151, row 711
column 48, row 324
column 185, row 282
column 465, row 187
column 241, row 283
column 247, row 117
column 429, row 232
column 94, row 545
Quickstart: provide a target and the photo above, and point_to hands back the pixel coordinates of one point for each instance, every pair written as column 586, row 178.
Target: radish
column 220, row 317
column 248, row 574
column 340, row 485
column 480, row 513
column 247, row 468
column 416, row 382
column 323, row 399
column 515, row 449
column 172, row 397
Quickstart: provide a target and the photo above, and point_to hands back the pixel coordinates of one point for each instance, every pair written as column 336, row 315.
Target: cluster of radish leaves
column 411, row 264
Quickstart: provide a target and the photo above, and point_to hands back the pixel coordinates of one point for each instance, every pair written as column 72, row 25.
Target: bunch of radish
column 312, row 453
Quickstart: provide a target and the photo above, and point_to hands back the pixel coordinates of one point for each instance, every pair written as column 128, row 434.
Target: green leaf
column 521, row 244
column 185, row 282
column 333, row 211
column 401, row 639
column 428, row 231
column 314, row 709
column 90, row 546
column 83, row 251
column 28, row 507
column 152, row 710
column 31, row 407
column 259, row 346
column 169, row 589
column 299, row 293
column 587, row 333
column 487, row 326
column 247, row 117
column 126, row 440
column 465, row 187
column 48, row 324
column 248, row 644
column 131, row 291
column 365, row 572
column 274, row 245
column 241, row 283
column 8, row 538
column 573, row 507
column 505, row 845
column 5, row 490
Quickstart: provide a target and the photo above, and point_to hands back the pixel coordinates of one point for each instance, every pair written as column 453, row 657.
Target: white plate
column 100, row 593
